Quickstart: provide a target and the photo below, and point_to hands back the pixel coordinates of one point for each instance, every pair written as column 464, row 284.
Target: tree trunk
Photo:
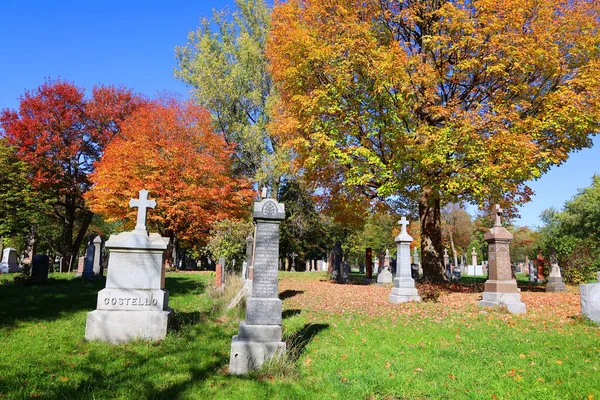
column 67, row 233
column 431, row 236
column 85, row 223
column 453, row 250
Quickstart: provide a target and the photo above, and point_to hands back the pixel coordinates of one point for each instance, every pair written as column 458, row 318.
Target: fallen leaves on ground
column 325, row 296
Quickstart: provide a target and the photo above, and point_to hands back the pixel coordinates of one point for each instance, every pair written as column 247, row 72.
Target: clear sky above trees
column 132, row 43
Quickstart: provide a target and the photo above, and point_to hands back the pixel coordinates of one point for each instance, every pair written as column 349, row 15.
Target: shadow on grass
column 51, row 300
column 286, row 294
column 297, row 341
column 25, row 302
column 290, row 313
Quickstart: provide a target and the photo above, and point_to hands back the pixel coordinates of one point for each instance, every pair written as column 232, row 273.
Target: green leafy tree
column 228, row 239
column 575, row 233
column 224, row 61
column 304, row 231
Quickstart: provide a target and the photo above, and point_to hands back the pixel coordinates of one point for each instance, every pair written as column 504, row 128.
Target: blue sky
column 131, row 43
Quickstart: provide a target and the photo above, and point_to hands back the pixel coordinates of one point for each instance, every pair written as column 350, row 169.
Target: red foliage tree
column 170, row 148
column 60, row 133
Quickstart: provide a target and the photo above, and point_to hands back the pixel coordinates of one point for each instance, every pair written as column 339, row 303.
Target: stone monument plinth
column 259, row 337
column 555, row 282
column 404, row 289
column 501, row 288
column 134, row 303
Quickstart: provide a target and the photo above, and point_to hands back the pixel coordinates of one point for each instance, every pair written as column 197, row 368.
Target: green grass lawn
column 347, row 342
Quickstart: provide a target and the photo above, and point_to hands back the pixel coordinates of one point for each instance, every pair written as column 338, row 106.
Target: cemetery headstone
column 447, row 264
column 590, row 300
column 244, row 270
column 97, row 256
column 88, row 264
column 369, row 263
column 555, row 282
column 337, row 256
column 249, row 249
column 541, row 263
column 456, row 272
column 134, row 303
column 404, row 289
column 39, row 268
column 80, row 266
column 219, row 276
column 385, row 275
column 532, row 272
column 259, row 336
column 307, row 266
column 9, row 261
column 223, row 271
column 500, row 288
column 361, row 268
column 346, row 272
column 526, row 266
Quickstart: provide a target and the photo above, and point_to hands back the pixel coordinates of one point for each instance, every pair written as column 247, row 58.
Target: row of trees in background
column 351, row 114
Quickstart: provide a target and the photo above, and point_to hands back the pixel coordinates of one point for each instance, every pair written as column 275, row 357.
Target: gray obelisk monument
column 259, row 336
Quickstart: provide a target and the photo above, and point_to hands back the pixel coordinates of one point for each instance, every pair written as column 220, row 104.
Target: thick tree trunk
column 431, row 236
column 67, row 234
column 85, row 223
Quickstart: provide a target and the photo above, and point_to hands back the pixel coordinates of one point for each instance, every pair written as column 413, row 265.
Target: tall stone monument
column 259, row 336
column 501, row 288
column 97, row 266
column 404, row 285
column 134, row 303
column 555, row 282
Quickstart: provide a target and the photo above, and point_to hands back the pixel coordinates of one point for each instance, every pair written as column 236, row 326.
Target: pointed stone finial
column 498, row 215
column 142, row 205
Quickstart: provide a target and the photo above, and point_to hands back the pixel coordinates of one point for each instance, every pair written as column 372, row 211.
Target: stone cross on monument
column 404, row 222
column 499, row 212
column 142, row 205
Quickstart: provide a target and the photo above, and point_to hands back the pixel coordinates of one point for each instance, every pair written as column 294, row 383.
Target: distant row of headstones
column 89, row 266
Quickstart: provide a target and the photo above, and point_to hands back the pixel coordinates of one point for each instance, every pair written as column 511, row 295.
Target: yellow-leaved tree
column 434, row 101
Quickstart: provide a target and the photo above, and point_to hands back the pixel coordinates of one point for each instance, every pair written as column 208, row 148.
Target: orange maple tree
column 170, row 148
column 434, row 101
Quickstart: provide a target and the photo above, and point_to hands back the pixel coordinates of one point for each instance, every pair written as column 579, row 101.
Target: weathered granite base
column 263, row 311
column 253, row 345
column 590, row 301
column 385, row 276
column 404, row 290
column 555, row 285
column 512, row 301
column 124, row 326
